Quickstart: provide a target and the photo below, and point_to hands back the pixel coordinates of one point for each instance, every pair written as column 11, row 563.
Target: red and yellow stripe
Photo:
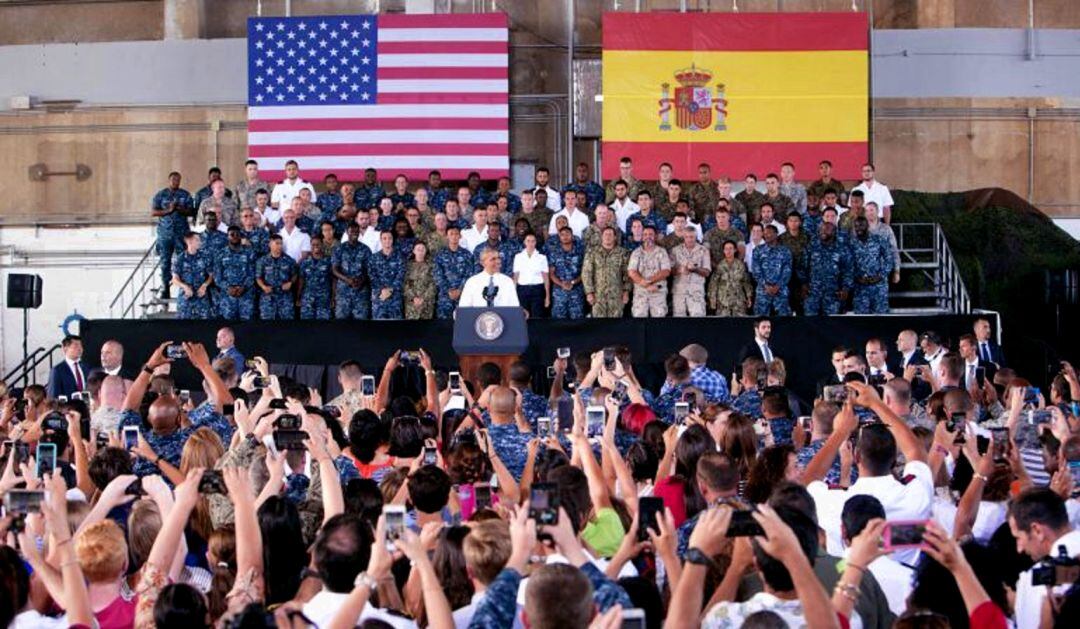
column 794, row 88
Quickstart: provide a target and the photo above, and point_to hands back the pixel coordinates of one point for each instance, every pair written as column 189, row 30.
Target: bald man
column 106, row 417
column 112, row 360
column 508, row 431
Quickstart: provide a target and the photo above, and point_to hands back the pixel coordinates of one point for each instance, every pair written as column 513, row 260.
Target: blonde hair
column 778, row 370
column 202, row 449
column 487, row 549
column 143, row 526
column 102, row 552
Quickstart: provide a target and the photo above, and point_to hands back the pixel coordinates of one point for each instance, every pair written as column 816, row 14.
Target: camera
column 562, row 352
column 175, row 351
column 1056, row 570
column 409, row 358
column 289, row 439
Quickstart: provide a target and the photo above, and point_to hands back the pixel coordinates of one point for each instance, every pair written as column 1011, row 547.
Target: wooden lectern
column 489, row 335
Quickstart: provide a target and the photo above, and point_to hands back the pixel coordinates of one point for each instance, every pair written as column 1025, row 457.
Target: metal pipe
column 682, row 6
column 288, row 8
column 570, row 17
column 1031, row 154
column 870, row 81
column 1031, row 31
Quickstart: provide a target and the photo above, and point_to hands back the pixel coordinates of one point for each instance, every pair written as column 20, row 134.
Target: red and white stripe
column 443, row 103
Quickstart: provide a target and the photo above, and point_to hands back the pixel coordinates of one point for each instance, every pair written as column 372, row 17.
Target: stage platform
column 311, row 350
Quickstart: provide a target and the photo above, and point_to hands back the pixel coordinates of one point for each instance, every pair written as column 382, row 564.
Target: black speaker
column 23, row 291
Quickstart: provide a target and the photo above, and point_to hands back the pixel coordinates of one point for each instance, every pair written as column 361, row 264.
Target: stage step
column 918, row 265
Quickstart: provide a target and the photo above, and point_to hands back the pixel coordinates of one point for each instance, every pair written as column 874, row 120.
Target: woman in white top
column 531, row 277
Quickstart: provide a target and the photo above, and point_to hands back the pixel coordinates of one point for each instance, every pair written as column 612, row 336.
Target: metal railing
column 135, row 288
column 925, row 250
column 26, row 372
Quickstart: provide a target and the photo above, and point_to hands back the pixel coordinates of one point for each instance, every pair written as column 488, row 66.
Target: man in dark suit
column 973, row 362
column 112, row 361
column 908, row 354
column 987, row 349
column 68, row 376
column 836, row 376
column 759, row 347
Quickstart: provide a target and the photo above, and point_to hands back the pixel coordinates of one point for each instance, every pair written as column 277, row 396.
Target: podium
column 489, row 335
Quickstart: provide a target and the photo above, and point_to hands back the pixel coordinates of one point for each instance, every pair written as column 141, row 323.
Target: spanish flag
column 744, row 92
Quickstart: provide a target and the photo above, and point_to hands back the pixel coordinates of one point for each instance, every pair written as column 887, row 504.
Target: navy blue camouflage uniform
column 566, row 266
column 368, row 197
column 171, row 227
column 387, row 271
column 259, row 241
column 171, row 445
column 235, row 269
column 437, row 197
column 452, row 269
column 330, row 203
column 594, row 192
column 352, row 259
column 315, row 274
column 278, row 305
column 193, row 270
column 653, row 219
column 872, row 263
column 829, row 269
column 772, row 265
column 213, row 243
column 506, row 248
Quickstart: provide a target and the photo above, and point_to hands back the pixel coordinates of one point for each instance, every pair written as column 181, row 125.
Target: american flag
column 399, row 93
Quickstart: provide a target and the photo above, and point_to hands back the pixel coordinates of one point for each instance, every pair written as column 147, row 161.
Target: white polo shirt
column 1029, row 598
column 876, row 192
column 285, row 191
column 911, row 501
column 528, row 268
column 623, row 211
column 578, row 222
column 296, row 243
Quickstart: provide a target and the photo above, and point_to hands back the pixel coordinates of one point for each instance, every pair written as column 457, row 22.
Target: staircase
column 38, row 363
column 930, row 280
column 139, row 296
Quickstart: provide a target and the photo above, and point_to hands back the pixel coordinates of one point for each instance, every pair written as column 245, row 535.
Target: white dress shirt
column 748, row 257
column 472, row 294
column 623, row 211
column 528, row 268
column 284, row 192
column 369, row 237
column 1029, row 598
column 473, row 236
column 578, row 222
column 912, row 501
column 780, row 228
column 322, row 608
column 935, row 360
column 77, row 372
column 895, row 581
column 766, row 351
column 554, row 199
column 876, row 192
column 296, row 243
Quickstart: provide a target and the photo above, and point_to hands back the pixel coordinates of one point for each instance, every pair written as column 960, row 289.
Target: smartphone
column 562, row 352
column 261, row 382
column 682, row 410
column 62, row 399
column 1042, row 416
column 1001, row 444
column 251, row 365
column 550, row 372
column 1031, row 396
column 805, row 421
column 22, row 501
column 135, row 488
column 903, row 534
column 22, row 452
column 980, row 376
column 650, row 508
column 836, row 393
column 289, row 439
column 453, row 382
column 395, row 523
column 430, row 456
column 957, row 421
column 482, row 496
column 277, row 404
column 46, row 459
column 609, row 358
column 102, row 440
column 78, row 395
column 175, row 351
column 544, row 503
column 131, row 437
column 332, row 411
column 228, row 410
column 1074, row 469
column 185, row 396
column 212, row 482
column 367, row 385
column 543, row 426
column 55, row 421
column 743, row 524
column 620, row 393
column 633, row 619
column 594, row 420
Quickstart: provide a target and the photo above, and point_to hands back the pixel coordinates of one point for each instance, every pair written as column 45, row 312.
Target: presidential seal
column 489, row 325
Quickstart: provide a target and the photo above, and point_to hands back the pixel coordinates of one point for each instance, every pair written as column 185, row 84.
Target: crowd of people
column 647, row 249
column 928, row 487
